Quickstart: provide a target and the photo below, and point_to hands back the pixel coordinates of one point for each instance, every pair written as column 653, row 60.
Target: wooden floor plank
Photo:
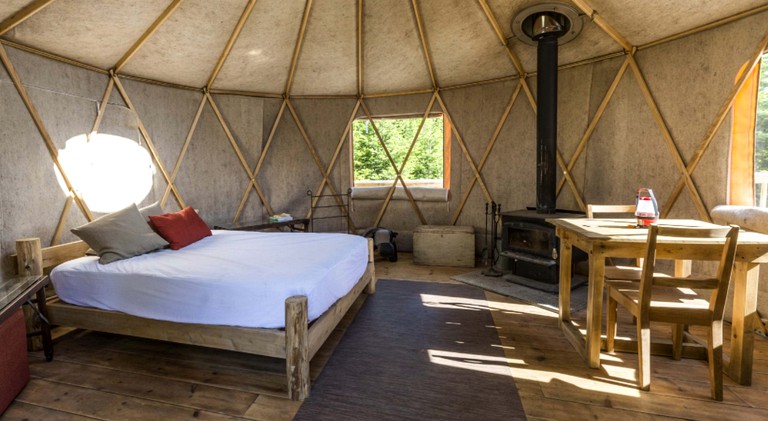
column 175, row 368
column 192, row 395
column 22, row 411
column 130, row 378
column 106, row 406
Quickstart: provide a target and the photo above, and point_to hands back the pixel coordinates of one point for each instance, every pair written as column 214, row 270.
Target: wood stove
column 528, row 241
column 531, row 248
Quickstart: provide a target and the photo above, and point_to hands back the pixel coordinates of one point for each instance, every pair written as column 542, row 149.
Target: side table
column 15, row 291
column 266, row 224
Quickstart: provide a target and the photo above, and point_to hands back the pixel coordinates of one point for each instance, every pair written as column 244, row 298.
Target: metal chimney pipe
column 546, row 25
column 546, row 123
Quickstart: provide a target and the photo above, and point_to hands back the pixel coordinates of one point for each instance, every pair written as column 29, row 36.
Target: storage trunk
column 444, row 245
column 14, row 365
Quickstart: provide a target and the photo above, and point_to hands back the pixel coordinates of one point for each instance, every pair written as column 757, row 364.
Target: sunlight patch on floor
column 461, row 303
column 595, row 385
column 475, row 362
column 456, row 303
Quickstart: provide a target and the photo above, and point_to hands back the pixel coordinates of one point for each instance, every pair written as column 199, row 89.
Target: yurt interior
column 472, row 209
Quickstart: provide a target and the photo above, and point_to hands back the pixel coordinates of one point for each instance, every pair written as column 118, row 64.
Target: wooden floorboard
column 110, row 377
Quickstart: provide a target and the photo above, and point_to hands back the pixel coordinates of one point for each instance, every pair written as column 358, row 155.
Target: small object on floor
column 384, row 242
column 491, row 256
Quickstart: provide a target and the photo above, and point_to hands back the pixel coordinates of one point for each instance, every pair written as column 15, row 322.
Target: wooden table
column 265, row 224
column 602, row 238
column 17, row 290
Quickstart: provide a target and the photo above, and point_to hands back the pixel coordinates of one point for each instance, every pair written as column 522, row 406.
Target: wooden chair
column 612, row 209
column 673, row 300
column 612, row 270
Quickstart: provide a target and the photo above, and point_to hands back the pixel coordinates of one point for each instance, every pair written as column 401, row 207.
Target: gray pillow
column 120, row 235
column 153, row 209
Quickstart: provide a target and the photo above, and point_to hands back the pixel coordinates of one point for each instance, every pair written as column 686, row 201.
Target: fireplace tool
column 492, row 216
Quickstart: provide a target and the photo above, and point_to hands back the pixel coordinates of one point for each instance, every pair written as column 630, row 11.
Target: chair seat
column 630, row 273
column 668, row 304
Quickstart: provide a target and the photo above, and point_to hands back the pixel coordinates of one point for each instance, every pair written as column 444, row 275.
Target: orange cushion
column 180, row 228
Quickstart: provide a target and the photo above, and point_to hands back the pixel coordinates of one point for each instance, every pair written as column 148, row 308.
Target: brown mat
column 421, row 351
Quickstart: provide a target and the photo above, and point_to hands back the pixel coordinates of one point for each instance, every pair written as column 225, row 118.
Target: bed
column 294, row 327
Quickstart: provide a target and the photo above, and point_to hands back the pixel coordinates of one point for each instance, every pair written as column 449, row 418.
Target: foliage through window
column 425, row 165
column 761, row 137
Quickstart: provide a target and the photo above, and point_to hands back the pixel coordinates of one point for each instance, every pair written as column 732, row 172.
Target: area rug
column 417, row 351
column 503, row 285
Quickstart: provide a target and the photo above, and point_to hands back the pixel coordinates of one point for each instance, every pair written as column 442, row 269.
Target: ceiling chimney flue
column 546, row 25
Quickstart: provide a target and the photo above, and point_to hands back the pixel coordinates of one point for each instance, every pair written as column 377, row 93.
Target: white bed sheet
column 232, row 278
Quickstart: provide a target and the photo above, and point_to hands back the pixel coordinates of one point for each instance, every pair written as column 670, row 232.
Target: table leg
column 45, row 327
column 745, row 278
column 595, row 307
column 564, row 291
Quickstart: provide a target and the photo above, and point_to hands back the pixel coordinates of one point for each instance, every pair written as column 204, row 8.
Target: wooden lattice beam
column 424, row 45
column 297, row 48
column 464, row 150
column 706, row 26
column 327, row 174
column 488, row 148
column 148, row 140
column 231, row 42
column 94, row 128
column 603, row 24
column 401, row 93
column 667, row 136
column 523, row 76
column 14, row 75
column 719, row 119
column 508, row 49
column 359, row 49
column 146, row 35
column 326, row 178
column 260, row 162
column 56, row 239
column 593, row 123
column 183, row 151
column 235, row 147
column 369, row 116
column 27, row 12
column 311, row 148
column 399, row 172
column 102, row 106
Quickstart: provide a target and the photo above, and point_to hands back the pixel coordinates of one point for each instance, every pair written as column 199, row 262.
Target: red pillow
column 180, row 228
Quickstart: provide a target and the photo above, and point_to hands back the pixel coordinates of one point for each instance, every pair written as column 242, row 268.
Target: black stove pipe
column 546, row 124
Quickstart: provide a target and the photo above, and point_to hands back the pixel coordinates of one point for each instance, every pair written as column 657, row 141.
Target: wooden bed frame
column 297, row 343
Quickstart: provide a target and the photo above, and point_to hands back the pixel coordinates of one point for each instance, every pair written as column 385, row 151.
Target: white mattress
column 231, row 278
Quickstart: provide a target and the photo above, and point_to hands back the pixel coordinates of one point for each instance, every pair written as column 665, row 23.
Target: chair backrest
column 717, row 283
column 598, row 209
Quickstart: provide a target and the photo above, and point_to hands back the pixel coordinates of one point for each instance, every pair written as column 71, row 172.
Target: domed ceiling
column 330, row 47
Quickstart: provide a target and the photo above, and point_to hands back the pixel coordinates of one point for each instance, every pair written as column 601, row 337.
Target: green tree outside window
column 370, row 160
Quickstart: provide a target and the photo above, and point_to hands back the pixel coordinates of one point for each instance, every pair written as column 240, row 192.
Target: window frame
column 447, row 132
column 741, row 168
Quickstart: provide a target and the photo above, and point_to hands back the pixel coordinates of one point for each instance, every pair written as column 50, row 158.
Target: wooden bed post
column 29, row 256
column 29, row 259
column 371, row 288
column 296, row 347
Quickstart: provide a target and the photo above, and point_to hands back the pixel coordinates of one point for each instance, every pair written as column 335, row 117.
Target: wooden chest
column 444, row 245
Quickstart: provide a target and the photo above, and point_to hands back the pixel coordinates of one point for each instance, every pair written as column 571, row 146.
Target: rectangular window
column 761, row 137
column 427, row 164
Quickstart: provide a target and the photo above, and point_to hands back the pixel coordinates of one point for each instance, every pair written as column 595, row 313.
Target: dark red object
column 14, row 365
column 180, row 228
